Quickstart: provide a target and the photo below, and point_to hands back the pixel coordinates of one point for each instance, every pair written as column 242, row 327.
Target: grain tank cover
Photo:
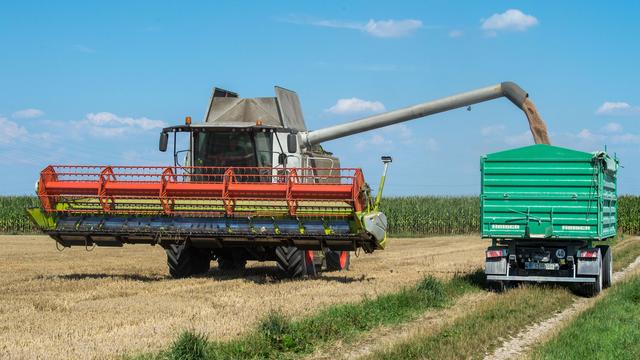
column 227, row 109
column 548, row 192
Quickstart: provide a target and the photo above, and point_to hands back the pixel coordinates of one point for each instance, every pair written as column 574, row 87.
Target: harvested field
column 100, row 304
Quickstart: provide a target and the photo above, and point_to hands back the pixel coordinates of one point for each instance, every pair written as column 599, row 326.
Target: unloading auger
column 254, row 185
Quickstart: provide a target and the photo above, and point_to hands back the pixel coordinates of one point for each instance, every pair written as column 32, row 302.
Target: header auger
column 255, row 184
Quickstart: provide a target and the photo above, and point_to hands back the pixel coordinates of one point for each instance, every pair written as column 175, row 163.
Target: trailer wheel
column 593, row 289
column 607, row 266
column 337, row 260
column 497, row 286
column 294, row 262
column 181, row 260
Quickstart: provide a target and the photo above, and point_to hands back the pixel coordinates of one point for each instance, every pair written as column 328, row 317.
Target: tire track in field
column 516, row 346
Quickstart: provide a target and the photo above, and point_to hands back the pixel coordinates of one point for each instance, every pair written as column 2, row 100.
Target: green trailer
column 547, row 210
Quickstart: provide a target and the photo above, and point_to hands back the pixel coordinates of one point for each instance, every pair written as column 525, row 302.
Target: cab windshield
column 233, row 148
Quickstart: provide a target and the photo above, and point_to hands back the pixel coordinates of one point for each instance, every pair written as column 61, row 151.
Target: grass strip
column 608, row 330
column 278, row 337
column 478, row 333
column 625, row 252
column 482, row 331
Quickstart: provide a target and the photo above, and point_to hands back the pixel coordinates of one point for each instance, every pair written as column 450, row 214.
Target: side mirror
column 164, row 140
column 292, row 143
column 282, row 159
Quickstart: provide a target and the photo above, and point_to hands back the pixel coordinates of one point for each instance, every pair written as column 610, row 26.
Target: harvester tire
column 181, row 260
column 202, row 262
column 337, row 260
column 294, row 262
column 230, row 261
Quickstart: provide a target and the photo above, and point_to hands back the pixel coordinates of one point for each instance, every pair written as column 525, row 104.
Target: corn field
column 13, row 215
column 629, row 214
column 408, row 216
column 432, row 215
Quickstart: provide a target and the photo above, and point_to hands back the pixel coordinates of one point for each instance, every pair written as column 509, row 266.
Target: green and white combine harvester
column 255, row 185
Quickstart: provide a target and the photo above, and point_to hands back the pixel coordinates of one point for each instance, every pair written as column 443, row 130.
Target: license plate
column 541, row 266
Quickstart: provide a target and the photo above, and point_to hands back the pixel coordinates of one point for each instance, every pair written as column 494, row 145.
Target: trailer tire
column 337, row 260
column 294, row 262
column 181, row 260
column 497, row 286
column 607, row 266
column 593, row 289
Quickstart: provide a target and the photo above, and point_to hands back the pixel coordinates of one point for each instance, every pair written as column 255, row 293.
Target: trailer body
column 544, row 207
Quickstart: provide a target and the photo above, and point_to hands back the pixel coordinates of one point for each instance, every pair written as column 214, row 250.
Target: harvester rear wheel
column 294, row 262
column 181, row 259
column 202, row 262
column 231, row 260
column 337, row 260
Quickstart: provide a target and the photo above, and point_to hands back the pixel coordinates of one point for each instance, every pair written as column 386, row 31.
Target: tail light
column 496, row 253
column 588, row 254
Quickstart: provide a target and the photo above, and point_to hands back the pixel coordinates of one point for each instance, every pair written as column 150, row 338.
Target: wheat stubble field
column 109, row 302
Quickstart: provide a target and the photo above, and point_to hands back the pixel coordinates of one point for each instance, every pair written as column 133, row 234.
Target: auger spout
column 508, row 89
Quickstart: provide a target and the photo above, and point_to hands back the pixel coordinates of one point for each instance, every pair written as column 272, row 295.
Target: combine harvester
column 255, row 185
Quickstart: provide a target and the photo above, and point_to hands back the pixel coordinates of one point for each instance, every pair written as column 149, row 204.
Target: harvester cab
column 255, row 184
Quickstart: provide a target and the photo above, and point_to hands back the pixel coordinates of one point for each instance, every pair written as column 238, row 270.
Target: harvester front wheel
column 294, row 262
column 181, row 260
column 337, row 260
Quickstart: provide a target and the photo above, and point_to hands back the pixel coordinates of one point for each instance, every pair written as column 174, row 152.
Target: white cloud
column 626, row 139
column 431, row 144
column 617, row 108
column 587, row 135
column 355, row 105
column 610, row 134
column 84, row 49
column 512, row 19
column 375, row 140
column 106, row 124
column 612, row 127
column 378, row 28
column 392, row 28
column 393, row 138
column 27, row 114
column 455, row 33
column 10, row 132
column 521, row 139
column 492, row 130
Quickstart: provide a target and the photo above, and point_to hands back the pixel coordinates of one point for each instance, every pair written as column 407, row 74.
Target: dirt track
column 75, row 304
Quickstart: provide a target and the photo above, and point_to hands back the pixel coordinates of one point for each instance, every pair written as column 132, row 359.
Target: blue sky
column 92, row 82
